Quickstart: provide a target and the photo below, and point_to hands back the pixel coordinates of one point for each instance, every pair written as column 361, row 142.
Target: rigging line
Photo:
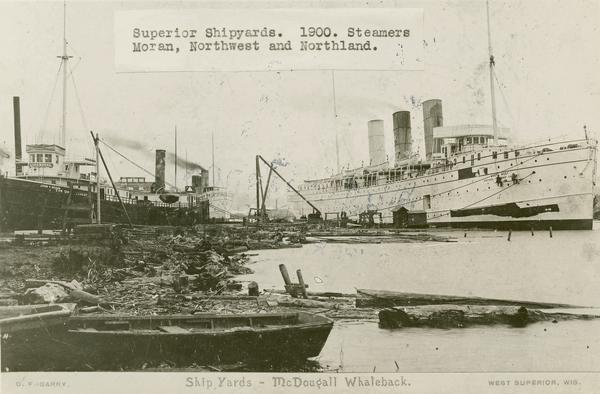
column 131, row 161
column 218, row 208
column 79, row 102
column 45, row 121
column 75, row 66
column 512, row 119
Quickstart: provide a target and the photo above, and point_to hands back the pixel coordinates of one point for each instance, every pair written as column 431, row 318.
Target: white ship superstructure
column 467, row 181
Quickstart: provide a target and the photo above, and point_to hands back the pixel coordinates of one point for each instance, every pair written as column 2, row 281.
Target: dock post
column 285, row 275
column 550, row 231
column 301, row 282
column 509, row 234
column 253, row 289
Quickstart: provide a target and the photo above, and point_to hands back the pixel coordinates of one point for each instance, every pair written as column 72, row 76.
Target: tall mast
column 492, row 64
column 337, row 145
column 98, row 206
column 64, row 59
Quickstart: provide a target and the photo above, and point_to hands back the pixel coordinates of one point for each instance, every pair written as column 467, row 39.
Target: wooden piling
column 509, row 234
column 550, row 231
column 284, row 274
column 253, row 289
column 301, row 282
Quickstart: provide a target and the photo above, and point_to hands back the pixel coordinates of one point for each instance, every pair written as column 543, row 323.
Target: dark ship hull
column 27, row 205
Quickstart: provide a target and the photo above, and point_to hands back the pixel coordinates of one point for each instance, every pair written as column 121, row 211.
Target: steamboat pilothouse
column 472, row 176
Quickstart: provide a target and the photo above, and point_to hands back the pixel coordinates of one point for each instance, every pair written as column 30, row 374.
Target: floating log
column 384, row 298
column 458, row 316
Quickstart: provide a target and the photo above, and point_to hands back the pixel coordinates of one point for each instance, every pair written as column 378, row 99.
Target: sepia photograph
column 331, row 196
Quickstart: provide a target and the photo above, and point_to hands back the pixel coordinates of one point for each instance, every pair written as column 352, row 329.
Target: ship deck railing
column 158, row 204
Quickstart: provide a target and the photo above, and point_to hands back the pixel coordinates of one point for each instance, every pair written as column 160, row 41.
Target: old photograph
column 340, row 195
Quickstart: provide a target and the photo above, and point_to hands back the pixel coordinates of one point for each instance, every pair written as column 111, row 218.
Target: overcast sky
column 547, row 55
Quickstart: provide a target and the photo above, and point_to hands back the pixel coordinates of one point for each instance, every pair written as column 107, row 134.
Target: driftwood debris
column 48, row 293
column 57, row 291
column 289, row 301
column 458, row 316
column 383, row 298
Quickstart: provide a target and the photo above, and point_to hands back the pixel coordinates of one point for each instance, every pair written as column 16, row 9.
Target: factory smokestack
column 159, row 171
column 376, row 142
column 402, row 135
column 17, row 117
column 432, row 117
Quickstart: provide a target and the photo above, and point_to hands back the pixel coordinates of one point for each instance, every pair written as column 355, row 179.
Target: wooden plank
column 384, row 298
column 174, row 329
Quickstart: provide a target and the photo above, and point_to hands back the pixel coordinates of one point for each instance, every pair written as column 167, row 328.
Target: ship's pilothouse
column 47, row 163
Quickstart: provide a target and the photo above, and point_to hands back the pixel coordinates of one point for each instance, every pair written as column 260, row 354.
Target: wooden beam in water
column 384, row 298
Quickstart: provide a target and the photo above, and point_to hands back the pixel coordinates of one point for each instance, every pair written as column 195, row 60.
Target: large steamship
column 466, row 180
column 471, row 176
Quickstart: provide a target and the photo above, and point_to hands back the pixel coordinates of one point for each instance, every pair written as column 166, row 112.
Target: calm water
column 564, row 268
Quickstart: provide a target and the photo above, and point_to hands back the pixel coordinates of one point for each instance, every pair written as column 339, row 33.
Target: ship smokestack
column 402, row 135
column 376, row 142
column 197, row 183
column 17, row 117
column 159, row 171
column 200, row 181
column 432, row 117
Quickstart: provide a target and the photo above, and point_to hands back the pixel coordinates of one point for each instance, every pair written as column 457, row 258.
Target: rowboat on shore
column 22, row 318
column 109, row 342
column 28, row 331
